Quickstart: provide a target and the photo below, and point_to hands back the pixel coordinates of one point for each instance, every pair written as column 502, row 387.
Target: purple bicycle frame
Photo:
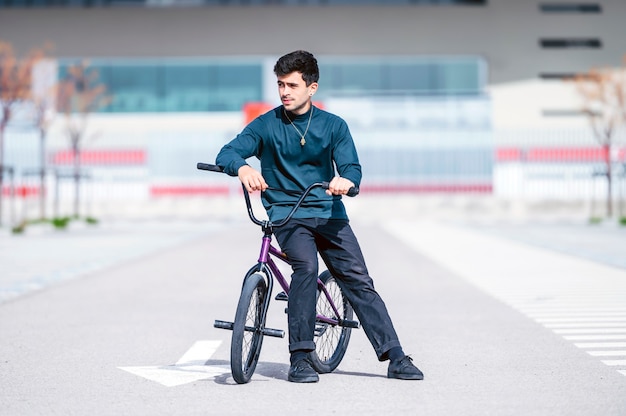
column 265, row 257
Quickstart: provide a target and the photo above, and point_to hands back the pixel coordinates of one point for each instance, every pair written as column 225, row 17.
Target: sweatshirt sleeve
column 234, row 154
column 345, row 155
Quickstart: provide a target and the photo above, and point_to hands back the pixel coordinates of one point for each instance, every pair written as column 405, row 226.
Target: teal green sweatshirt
column 285, row 163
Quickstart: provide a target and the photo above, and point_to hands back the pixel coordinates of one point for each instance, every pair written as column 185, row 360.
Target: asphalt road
column 499, row 325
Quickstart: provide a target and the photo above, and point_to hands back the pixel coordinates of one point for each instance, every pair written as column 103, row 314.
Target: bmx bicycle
column 334, row 314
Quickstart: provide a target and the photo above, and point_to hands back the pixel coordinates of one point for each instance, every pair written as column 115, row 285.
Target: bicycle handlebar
column 354, row 191
column 212, row 168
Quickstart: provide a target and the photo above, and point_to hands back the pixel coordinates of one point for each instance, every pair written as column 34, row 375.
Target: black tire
column 331, row 341
column 247, row 336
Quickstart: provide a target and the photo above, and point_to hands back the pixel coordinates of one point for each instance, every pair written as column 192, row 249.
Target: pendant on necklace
column 302, row 136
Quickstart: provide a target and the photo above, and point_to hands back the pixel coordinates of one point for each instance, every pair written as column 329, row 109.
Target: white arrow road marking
column 189, row 368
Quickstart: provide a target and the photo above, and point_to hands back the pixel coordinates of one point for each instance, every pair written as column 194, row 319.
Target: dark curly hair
column 298, row 61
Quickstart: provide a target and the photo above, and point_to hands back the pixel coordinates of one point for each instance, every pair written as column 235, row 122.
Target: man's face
column 294, row 93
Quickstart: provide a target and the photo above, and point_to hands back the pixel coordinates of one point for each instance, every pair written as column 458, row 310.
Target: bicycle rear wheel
column 247, row 335
column 331, row 341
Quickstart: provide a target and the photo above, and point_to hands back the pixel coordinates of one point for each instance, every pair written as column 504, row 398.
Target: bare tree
column 79, row 94
column 15, row 88
column 603, row 93
column 43, row 98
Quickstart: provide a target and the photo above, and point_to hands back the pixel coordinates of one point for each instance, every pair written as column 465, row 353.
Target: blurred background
column 497, row 106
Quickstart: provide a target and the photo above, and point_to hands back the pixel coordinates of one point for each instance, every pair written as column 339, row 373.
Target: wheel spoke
column 247, row 335
column 330, row 340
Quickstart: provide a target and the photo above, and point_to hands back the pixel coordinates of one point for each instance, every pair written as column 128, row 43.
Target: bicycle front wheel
column 247, row 335
column 331, row 341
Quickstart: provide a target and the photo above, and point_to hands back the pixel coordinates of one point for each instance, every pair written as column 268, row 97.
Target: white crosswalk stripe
column 598, row 326
column 591, row 331
column 610, row 353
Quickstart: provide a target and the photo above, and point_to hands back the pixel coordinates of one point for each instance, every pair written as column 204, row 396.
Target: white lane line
column 610, row 353
column 600, row 344
column 591, row 331
column 199, row 353
column 607, row 337
column 573, row 314
column 614, row 362
column 583, row 319
column 189, row 368
column 549, row 310
column 586, row 325
column 613, row 301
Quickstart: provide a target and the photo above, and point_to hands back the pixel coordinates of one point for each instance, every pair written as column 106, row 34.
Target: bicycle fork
column 261, row 267
column 259, row 326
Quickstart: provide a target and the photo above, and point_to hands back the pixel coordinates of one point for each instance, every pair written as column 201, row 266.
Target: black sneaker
column 302, row 372
column 404, row 369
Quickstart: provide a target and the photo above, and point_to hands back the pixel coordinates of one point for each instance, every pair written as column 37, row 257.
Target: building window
column 563, row 43
column 197, row 3
column 562, row 75
column 570, row 8
column 176, row 86
column 220, row 84
column 557, row 75
column 426, row 76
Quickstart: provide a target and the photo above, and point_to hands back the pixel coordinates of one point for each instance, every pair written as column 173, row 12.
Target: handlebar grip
column 354, row 191
column 212, row 168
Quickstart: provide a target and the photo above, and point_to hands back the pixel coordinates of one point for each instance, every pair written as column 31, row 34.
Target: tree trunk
column 609, row 180
column 42, row 174
column 1, row 169
column 3, row 125
column 76, row 181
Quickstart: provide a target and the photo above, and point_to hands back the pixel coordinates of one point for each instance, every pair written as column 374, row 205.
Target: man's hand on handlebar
column 339, row 186
column 251, row 179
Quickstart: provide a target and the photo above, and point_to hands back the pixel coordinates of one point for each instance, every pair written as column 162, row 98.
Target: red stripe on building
column 188, row 190
column 102, row 157
column 554, row 154
column 252, row 110
column 508, row 154
column 21, row 191
column 565, row 155
column 482, row 188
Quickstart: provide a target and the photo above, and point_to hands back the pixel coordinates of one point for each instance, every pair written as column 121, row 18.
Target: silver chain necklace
column 302, row 136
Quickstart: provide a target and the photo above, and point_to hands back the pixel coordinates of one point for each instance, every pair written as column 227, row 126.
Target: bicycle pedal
column 349, row 324
column 320, row 330
column 278, row 333
column 282, row 296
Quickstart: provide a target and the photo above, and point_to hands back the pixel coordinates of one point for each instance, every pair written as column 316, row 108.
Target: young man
column 299, row 144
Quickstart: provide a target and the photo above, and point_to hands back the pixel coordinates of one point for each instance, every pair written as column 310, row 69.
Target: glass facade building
column 170, row 85
column 226, row 84
column 187, row 3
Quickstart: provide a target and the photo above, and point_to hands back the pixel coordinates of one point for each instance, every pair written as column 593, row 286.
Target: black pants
column 301, row 240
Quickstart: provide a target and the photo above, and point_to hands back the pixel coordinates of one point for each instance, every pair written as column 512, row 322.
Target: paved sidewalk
column 602, row 243
column 44, row 256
